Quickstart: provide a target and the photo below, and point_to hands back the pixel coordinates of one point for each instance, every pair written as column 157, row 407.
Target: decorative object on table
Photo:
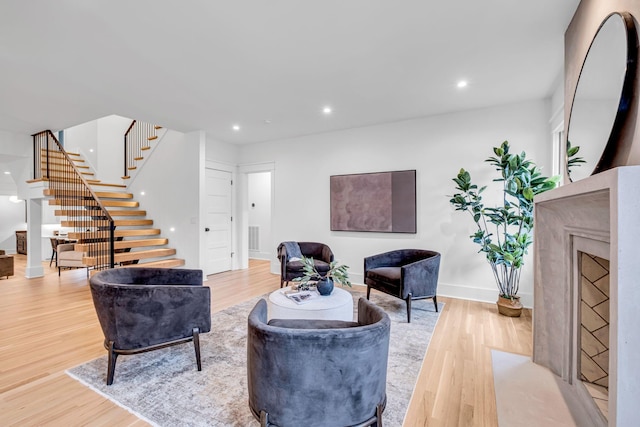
column 408, row 274
column 324, row 281
column 377, row 202
column 572, row 160
column 511, row 222
column 144, row 309
column 345, row 378
column 291, row 259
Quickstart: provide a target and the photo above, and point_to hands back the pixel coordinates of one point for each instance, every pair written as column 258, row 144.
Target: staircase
column 109, row 227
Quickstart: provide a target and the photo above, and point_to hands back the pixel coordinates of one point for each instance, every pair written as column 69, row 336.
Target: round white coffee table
column 337, row 306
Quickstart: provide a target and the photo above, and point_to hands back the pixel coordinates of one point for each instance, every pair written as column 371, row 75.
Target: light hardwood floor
column 48, row 324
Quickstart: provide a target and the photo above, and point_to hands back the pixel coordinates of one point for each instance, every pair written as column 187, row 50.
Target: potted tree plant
column 505, row 231
column 337, row 272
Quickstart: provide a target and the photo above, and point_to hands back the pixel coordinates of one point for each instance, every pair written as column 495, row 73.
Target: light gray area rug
column 164, row 387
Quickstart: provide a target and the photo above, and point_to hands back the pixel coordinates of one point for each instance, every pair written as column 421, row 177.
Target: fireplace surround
column 598, row 215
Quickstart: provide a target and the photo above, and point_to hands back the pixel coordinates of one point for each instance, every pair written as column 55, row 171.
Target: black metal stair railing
column 136, row 140
column 92, row 224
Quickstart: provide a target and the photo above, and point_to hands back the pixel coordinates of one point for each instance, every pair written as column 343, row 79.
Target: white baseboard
column 478, row 294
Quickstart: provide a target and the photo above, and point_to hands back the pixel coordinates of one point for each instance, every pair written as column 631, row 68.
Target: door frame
column 243, row 209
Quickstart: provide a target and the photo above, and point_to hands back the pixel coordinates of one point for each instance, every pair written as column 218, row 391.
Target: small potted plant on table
column 324, row 282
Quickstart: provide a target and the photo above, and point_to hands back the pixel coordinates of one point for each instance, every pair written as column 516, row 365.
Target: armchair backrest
column 339, row 366
column 132, row 303
column 310, row 249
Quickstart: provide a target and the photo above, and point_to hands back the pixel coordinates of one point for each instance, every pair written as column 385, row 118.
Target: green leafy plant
column 505, row 231
column 337, row 273
column 572, row 160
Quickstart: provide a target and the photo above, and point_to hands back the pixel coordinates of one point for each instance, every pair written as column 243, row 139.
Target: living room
column 435, row 144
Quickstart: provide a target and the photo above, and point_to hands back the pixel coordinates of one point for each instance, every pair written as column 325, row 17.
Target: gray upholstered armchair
column 318, row 372
column 144, row 309
column 292, row 268
column 408, row 274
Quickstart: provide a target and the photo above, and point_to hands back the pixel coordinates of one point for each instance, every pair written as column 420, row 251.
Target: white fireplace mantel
column 603, row 211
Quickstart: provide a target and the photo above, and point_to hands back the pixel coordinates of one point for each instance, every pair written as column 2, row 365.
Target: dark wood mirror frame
column 618, row 147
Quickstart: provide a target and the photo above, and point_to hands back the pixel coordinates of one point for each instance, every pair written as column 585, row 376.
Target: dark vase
column 324, row 286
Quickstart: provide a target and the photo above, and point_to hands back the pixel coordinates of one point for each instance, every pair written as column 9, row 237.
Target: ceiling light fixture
column 327, row 110
column 7, row 173
column 236, row 127
column 462, row 83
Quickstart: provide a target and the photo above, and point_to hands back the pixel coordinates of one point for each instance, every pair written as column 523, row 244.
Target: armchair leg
column 409, row 308
column 111, row 364
column 435, row 302
column 368, row 291
column 379, row 410
column 196, row 346
column 264, row 419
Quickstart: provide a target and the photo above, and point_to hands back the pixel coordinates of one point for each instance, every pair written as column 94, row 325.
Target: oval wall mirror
column 602, row 98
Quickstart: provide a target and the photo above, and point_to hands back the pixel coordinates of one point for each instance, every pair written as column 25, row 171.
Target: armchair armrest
column 420, row 278
column 327, row 254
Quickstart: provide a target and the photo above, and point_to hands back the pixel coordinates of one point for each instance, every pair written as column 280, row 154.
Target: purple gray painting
column 382, row 202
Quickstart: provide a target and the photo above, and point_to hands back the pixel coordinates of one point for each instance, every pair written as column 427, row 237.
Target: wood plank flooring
column 48, row 324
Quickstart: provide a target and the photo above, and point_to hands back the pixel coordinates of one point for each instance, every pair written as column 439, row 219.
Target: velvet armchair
column 290, row 265
column 408, row 274
column 144, row 309
column 318, row 373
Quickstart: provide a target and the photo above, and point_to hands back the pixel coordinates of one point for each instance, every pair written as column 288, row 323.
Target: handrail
column 126, row 148
column 136, row 139
column 71, row 188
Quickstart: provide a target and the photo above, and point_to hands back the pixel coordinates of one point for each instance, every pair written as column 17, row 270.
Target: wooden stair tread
column 105, row 222
column 165, row 263
column 151, row 138
column 70, row 180
column 106, row 184
column 52, row 166
column 82, row 235
column 89, row 213
column 105, row 203
column 44, row 150
column 135, row 255
column 125, row 177
column 157, row 127
column 125, row 244
column 138, row 158
column 100, row 194
column 146, row 147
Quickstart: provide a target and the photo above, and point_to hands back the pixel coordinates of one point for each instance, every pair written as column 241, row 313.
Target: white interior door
column 218, row 221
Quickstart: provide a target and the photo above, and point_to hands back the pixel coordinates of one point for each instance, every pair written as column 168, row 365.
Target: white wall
column 82, row 139
column 437, row 147
column 12, row 218
column 171, row 183
column 110, row 160
column 260, row 212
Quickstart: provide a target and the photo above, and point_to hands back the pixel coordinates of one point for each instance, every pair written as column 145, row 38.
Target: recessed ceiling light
column 7, row 173
column 91, row 150
column 236, row 127
column 327, row 110
column 462, row 83
column 142, row 193
column 267, row 121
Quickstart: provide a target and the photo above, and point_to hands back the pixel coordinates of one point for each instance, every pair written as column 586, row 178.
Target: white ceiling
column 209, row 64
